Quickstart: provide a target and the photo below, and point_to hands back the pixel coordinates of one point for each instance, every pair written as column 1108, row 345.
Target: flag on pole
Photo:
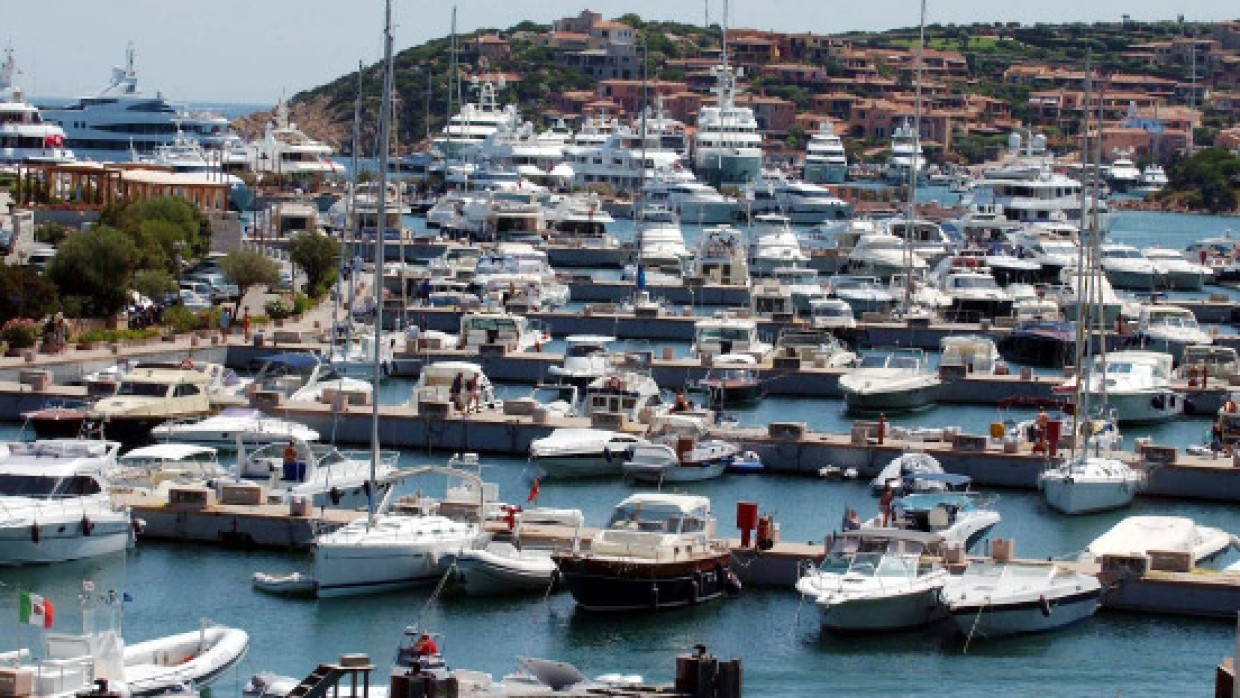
column 533, row 491
column 36, row 610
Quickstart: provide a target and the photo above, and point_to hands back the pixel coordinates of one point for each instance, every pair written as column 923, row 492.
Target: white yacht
column 585, row 359
column 688, row 461
column 876, row 579
column 1127, row 268
column 1042, row 197
column 621, row 162
column 285, row 150
column 497, row 567
column 994, row 599
column 724, row 336
column 884, row 255
column 863, row 294
column 519, row 148
column 1083, row 484
column 825, row 159
column 187, row 158
column 24, row 135
column 1153, row 179
column 436, row 380
column 802, row 202
column 960, row 518
column 925, row 237
column 305, row 377
column 831, row 314
column 155, row 468
column 581, row 219
column 974, row 292
column 120, row 118
column 905, row 156
column 244, row 425
column 467, row 130
column 54, row 504
column 728, row 146
column 1123, row 176
column 521, row 268
column 692, row 201
column 1055, row 246
column 506, row 215
column 1176, row 273
column 324, row 475
column 511, row 331
column 802, row 284
column 722, row 257
column 908, row 473
column 661, row 244
column 773, row 244
column 1137, row 536
column 890, row 382
column 1135, row 384
column 583, row 452
column 1170, row 329
column 399, row 546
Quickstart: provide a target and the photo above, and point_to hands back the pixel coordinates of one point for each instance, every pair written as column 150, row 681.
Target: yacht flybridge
column 468, row 130
column 286, row 150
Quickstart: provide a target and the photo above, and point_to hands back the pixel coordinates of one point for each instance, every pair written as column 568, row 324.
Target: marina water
column 778, row 636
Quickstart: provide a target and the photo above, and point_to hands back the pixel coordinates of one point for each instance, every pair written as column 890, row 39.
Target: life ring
column 186, row 363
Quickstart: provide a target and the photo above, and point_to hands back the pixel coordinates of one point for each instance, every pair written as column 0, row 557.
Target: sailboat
column 1088, row 482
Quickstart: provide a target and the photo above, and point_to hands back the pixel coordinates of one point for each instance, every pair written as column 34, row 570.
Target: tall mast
column 385, row 141
column 453, row 78
column 1084, row 333
column 913, row 168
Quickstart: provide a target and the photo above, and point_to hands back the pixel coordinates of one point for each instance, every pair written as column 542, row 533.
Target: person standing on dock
column 225, row 322
column 245, row 324
column 471, row 388
column 454, row 392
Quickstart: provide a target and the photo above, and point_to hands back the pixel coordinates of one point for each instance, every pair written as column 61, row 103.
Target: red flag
column 533, row 491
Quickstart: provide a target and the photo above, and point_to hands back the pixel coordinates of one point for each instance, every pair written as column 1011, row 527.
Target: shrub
column 116, row 335
column 178, row 318
column 301, row 303
column 278, row 308
column 20, row 333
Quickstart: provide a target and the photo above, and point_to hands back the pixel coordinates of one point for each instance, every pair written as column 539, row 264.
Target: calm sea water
column 778, row 637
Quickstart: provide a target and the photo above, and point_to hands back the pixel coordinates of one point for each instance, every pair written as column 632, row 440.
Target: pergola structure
column 96, row 184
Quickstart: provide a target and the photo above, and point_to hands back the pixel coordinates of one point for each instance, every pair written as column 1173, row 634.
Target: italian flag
column 36, row 610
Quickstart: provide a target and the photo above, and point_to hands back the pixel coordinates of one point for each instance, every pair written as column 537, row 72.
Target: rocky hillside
column 314, row 116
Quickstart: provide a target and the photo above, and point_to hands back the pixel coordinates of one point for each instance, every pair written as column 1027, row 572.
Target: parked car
column 39, row 257
column 221, row 289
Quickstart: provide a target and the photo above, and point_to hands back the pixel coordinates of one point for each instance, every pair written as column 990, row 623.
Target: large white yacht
column 906, row 154
column 1170, row 329
column 691, row 200
column 24, row 135
column 773, row 245
column 54, row 504
column 620, row 161
column 285, row 150
column 728, row 146
column 1123, row 175
column 825, row 159
column 890, row 382
column 802, row 202
column 119, row 118
column 722, row 257
column 1136, row 384
column 469, row 129
column 1127, row 268
column 1042, row 197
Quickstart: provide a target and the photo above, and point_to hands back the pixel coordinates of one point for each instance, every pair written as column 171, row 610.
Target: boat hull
column 895, row 612
column 350, row 570
column 719, row 168
column 1047, row 349
column 581, row 465
column 1132, row 280
column 627, row 584
column 1083, row 497
column 902, row 400
column 998, row 620
column 18, row 547
column 674, row 473
column 1145, row 407
column 488, row 575
column 731, row 393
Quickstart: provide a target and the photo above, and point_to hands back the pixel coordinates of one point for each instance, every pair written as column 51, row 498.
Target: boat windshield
column 974, row 281
column 1165, row 319
column 1121, row 253
column 650, row 517
column 723, row 334
column 43, row 486
column 884, row 361
column 142, row 389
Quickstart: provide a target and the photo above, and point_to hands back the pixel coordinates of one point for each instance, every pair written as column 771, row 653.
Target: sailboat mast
column 353, row 221
column 1096, row 237
column 1084, row 337
column 913, row 166
column 453, row 78
column 385, row 140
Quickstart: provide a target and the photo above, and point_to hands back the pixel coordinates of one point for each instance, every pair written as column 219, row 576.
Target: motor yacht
column 147, row 397
column 884, row 255
column 621, row 158
column 926, row 238
column 825, row 159
column 1084, row 484
column 405, row 542
column 690, row 460
column 876, row 579
column 816, row 346
column 1135, row 384
column 469, row 128
column 726, row 385
column 322, row 474
column 155, row 468
column 802, row 284
column 586, row 359
column 284, row 150
column 863, row 294
column 773, row 245
column 305, row 377
column 1139, row 536
column 721, row 336
column 727, row 148
column 435, row 383
column 1101, row 297
column 1042, row 196
column 801, row 202
column 1123, row 176
column 1176, row 273
column 581, row 452
column 661, row 245
column 832, row 314
column 512, row 332
column 1169, row 329
column 1127, row 268
column 234, row 425
column 1153, row 179
column 973, row 291
column 722, row 257
column 967, row 354
column 909, row 472
column 890, row 382
column 581, row 219
column 692, row 201
column 905, row 155
column 24, row 135
column 657, row 551
column 493, row 567
column 960, row 518
column 994, row 599
column 1040, row 336
column 54, row 503
column 1053, row 246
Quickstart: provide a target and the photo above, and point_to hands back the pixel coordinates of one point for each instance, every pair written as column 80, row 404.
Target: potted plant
column 19, row 334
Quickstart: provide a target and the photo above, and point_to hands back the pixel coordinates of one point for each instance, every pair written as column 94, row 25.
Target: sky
column 254, row 51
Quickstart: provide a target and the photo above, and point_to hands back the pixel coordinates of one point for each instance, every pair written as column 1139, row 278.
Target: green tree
column 50, row 232
column 318, row 256
column 248, row 269
column 153, row 283
column 92, row 271
column 25, row 293
column 179, row 221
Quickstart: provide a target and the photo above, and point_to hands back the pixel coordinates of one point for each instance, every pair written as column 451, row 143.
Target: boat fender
column 186, row 363
column 731, row 583
column 607, row 454
column 34, row 532
column 1046, row 606
column 335, row 495
column 88, row 526
column 654, row 596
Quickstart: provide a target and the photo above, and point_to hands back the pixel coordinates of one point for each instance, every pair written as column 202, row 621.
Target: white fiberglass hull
column 227, row 439
column 581, row 465
column 902, row 609
column 1144, row 407
column 483, row 573
column 673, row 473
column 1077, row 496
column 997, row 619
column 195, row 658
column 1132, row 279
column 1184, row 280
column 897, row 398
column 392, row 554
column 19, row 547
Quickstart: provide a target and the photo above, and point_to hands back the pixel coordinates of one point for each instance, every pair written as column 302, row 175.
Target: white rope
column 973, row 629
